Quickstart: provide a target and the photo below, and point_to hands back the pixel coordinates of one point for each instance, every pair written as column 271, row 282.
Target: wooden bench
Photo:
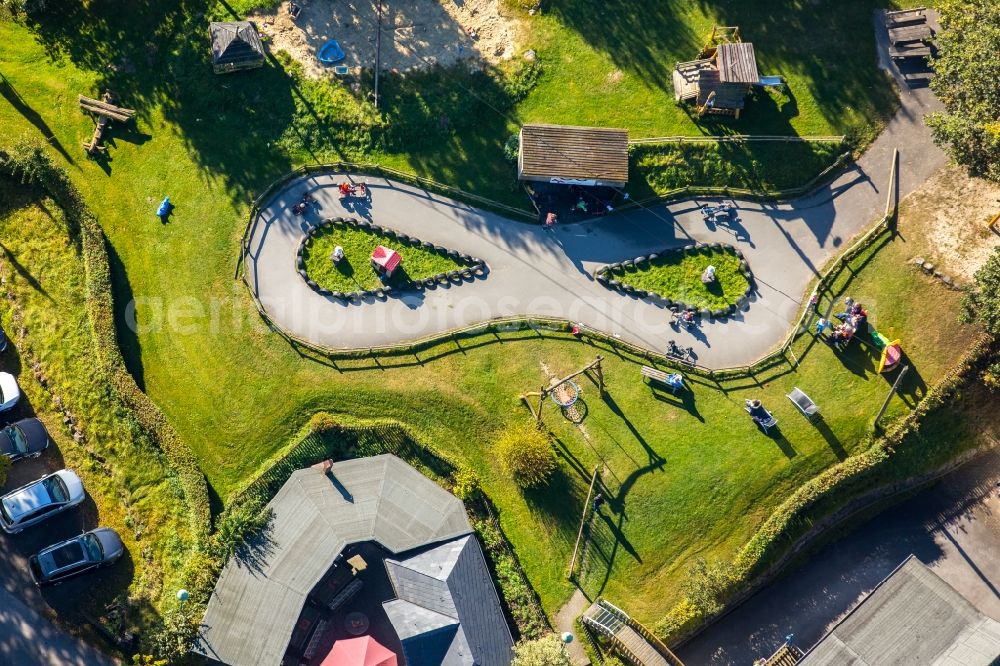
column 909, row 33
column 905, row 17
column 673, row 380
column 909, row 51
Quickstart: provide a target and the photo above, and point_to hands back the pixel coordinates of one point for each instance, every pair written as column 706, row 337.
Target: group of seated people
column 854, row 318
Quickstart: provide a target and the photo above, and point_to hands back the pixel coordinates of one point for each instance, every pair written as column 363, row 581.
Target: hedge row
column 474, row 266
column 806, row 504
column 30, row 164
column 605, row 276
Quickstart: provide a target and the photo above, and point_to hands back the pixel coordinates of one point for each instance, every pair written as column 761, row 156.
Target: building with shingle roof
column 235, row 46
column 317, row 515
column 446, row 610
column 565, row 154
column 912, row 617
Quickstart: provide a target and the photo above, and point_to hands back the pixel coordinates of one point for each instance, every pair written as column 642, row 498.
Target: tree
column 526, row 454
column 967, row 80
column 545, row 651
column 981, row 303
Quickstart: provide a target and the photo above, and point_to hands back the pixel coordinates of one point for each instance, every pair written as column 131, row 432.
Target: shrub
column 545, row 651
column 465, row 484
column 684, row 616
column 4, row 468
column 526, row 454
column 322, row 422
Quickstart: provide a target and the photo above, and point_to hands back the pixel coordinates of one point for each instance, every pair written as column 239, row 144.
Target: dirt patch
column 415, row 33
column 951, row 213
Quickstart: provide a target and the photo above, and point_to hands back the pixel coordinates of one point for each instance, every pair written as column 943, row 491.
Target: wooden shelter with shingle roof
column 563, row 154
column 235, row 46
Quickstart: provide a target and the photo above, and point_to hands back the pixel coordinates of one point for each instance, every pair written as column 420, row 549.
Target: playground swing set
column 565, row 392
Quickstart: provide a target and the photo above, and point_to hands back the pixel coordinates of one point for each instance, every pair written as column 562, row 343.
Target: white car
column 41, row 499
column 9, row 391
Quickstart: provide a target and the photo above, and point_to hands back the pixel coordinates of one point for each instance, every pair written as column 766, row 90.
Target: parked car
column 9, row 391
column 90, row 550
column 25, row 439
column 41, row 499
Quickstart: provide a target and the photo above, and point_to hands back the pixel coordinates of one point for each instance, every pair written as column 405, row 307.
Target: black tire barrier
column 638, row 260
column 731, row 310
column 602, row 278
column 719, row 314
column 653, row 257
column 680, row 306
column 716, row 246
column 667, row 303
column 615, row 267
column 628, row 289
column 641, row 293
column 706, row 313
column 628, row 263
column 614, row 284
column 474, row 267
column 388, row 290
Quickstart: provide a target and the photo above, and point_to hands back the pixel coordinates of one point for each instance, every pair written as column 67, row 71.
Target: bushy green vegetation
column 676, row 274
column 965, row 79
column 761, row 167
column 354, row 272
column 126, row 475
column 526, row 454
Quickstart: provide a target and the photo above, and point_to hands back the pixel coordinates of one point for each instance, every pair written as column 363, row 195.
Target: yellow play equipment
column 892, row 352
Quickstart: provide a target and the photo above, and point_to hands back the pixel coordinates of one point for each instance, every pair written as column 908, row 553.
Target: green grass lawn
column 677, row 275
column 129, row 486
column 695, row 479
column 354, row 272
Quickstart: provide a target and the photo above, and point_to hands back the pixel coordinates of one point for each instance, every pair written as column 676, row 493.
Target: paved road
column 548, row 273
column 953, row 527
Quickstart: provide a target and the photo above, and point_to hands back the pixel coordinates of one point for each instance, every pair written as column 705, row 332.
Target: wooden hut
column 561, row 154
column 235, row 46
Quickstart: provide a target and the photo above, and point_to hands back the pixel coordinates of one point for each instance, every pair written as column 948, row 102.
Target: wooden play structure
column 565, row 392
column 719, row 80
column 105, row 112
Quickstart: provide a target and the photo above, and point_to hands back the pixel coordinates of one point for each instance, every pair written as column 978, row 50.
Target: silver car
column 41, row 499
column 90, row 550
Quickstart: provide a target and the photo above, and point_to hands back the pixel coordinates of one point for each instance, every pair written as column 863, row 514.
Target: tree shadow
column 643, row 38
column 127, row 314
column 561, row 498
column 156, row 55
column 23, row 272
column 10, row 94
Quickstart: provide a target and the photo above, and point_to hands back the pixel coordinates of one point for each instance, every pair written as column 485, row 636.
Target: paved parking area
column 27, row 633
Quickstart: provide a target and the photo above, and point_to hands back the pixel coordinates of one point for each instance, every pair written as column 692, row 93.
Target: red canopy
column 360, row 651
column 386, row 258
